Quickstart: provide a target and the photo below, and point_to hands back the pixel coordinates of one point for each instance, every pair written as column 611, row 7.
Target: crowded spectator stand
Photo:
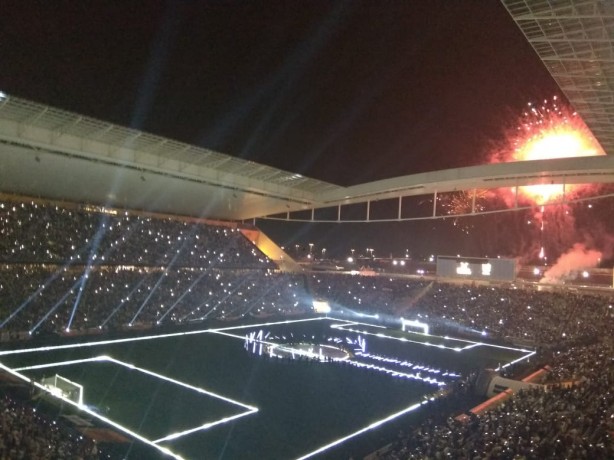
column 75, row 269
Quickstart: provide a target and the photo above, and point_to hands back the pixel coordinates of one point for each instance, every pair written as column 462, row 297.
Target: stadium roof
column 575, row 41
column 53, row 153
column 56, row 154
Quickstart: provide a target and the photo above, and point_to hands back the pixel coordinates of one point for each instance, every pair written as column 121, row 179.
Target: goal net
column 63, row 388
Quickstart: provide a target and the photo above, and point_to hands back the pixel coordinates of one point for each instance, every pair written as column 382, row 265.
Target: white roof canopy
column 56, row 154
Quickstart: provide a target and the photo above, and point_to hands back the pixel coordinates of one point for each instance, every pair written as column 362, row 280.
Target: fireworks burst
column 546, row 131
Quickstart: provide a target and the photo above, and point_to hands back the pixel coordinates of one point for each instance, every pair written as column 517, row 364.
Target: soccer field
column 218, row 393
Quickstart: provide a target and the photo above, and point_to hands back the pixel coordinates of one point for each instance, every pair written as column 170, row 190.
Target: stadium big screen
column 476, row 268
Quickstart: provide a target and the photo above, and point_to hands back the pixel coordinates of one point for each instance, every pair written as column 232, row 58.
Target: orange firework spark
column 550, row 131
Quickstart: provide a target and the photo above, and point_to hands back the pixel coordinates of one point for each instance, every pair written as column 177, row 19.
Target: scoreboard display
column 495, row 269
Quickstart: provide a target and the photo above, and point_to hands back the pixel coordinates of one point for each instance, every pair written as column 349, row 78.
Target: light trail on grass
column 233, row 331
column 60, row 363
column 399, row 339
column 182, row 384
column 204, row 427
column 428, row 344
column 148, row 337
column 94, row 414
column 522, row 358
column 104, row 358
column 370, row 427
column 354, row 323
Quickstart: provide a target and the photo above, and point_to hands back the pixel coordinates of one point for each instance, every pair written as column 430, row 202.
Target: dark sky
column 346, row 92
column 341, row 91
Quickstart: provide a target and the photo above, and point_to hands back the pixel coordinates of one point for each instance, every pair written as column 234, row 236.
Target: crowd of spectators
column 567, row 419
column 542, row 318
column 83, row 268
column 571, row 416
column 27, row 434
column 35, row 233
column 90, row 269
column 116, row 297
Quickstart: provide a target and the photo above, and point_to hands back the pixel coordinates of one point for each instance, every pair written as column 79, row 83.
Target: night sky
column 345, row 92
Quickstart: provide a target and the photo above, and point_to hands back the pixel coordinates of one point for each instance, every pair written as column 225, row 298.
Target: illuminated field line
column 522, row 358
column 472, row 342
column 250, row 409
column 147, row 337
column 370, row 427
column 95, row 344
column 289, row 321
column 242, row 337
column 427, row 344
column 204, row 427
column 183, row 384
column 60, row 363
column 85, row 409
column 353, row 323
column 402, row 339
column 144, row 371
column 505, row 347
column 345, row 327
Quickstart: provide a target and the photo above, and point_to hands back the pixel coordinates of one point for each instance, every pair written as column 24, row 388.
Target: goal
column 63, row 388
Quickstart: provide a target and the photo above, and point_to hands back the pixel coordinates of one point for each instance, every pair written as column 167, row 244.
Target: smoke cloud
column 571, row 263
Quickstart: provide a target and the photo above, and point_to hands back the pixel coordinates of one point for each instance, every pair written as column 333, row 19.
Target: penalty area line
column 370, row 427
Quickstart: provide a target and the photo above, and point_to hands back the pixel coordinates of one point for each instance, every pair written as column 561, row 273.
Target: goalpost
column 411, row 325
column 63, row 388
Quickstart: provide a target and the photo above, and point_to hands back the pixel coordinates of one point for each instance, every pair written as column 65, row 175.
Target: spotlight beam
column 204, row 302
column 186, row 292
column 180, row 246
column 271, row 287
column 151, row 293
column 124, row 300
column 219, row 302
column 55, row 307
column 40, row 289
column 88, row 267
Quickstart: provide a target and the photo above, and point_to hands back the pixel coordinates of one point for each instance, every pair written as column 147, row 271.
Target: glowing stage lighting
column 321, row 306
